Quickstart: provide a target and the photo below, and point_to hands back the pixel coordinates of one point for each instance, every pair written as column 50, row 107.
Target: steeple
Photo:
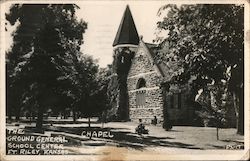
column 127, row 33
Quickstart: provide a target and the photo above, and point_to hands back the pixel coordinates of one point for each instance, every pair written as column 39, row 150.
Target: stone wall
column 153, row 106
column 142, row 67
column 152, row 80
column 142, row 63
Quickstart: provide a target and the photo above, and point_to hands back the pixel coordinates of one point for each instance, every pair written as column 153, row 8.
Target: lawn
column 181, row 139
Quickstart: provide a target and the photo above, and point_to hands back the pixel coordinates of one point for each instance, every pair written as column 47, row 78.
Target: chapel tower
column 124, row 46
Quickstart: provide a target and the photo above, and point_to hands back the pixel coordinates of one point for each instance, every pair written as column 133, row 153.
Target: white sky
column 103, row 22
column 103, row 18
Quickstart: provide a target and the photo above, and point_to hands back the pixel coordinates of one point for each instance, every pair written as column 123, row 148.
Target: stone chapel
column 142, row 92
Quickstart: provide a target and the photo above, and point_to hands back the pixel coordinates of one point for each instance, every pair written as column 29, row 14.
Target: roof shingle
column 127, row 33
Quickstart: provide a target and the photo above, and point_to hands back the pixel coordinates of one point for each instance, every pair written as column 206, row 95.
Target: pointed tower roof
column 127, row 33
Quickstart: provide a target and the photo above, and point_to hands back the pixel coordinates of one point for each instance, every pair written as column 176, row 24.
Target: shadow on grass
column 233, row 141
column 128, row 139
column 59, row 122
column 124, row 138
column 173, row 130
column 217, row 146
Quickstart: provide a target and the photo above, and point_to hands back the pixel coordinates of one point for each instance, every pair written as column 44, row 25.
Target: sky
column 103, row 22
column 103, row 19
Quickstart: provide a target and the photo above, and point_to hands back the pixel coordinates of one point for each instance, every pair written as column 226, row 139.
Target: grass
column 180, row 137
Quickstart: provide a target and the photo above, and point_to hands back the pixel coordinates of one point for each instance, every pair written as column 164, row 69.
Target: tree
column 83, row 90
column 208, row 41
column 214, row 106
column 104, row 103
column 40, row 63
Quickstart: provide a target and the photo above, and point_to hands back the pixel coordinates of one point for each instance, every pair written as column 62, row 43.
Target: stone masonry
column 142, row 67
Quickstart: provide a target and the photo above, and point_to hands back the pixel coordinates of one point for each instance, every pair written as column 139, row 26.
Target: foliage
column 41, row 64
column 86, row 87
column 117, row 88
column 207, row 40
column 214, row 102
column 102, row 93
column 214, row 105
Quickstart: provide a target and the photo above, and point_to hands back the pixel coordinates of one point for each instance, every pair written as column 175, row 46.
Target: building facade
column 140, row 79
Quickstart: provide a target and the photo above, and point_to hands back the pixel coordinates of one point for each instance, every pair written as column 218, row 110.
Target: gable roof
column 165, row 70
column 127, row 33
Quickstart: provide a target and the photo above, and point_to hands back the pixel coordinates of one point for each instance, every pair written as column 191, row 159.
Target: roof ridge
column 152, row 55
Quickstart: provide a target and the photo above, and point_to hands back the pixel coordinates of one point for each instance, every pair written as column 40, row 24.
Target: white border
column 124, row 155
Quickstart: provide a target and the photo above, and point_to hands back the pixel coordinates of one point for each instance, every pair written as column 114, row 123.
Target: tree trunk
column 217, row 133
column 240, row 125
column 30, row 117
column 238, row 101
column 236, row 109
column 9, row 115
column 89, row 121
column 74, row 115
column 64, row 115
column 18, row 114
column 39, row 122
column 17, row 118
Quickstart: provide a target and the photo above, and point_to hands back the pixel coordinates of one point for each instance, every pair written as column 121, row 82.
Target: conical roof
column 127, row 33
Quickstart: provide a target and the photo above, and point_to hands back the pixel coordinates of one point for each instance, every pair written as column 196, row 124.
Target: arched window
column 140, row 94
column 141, row 83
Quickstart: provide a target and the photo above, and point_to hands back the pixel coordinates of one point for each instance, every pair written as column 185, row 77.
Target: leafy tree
column 85, row 86
column 104, row 103
column 207, row 40
column 41, row 61
column 214, row 106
